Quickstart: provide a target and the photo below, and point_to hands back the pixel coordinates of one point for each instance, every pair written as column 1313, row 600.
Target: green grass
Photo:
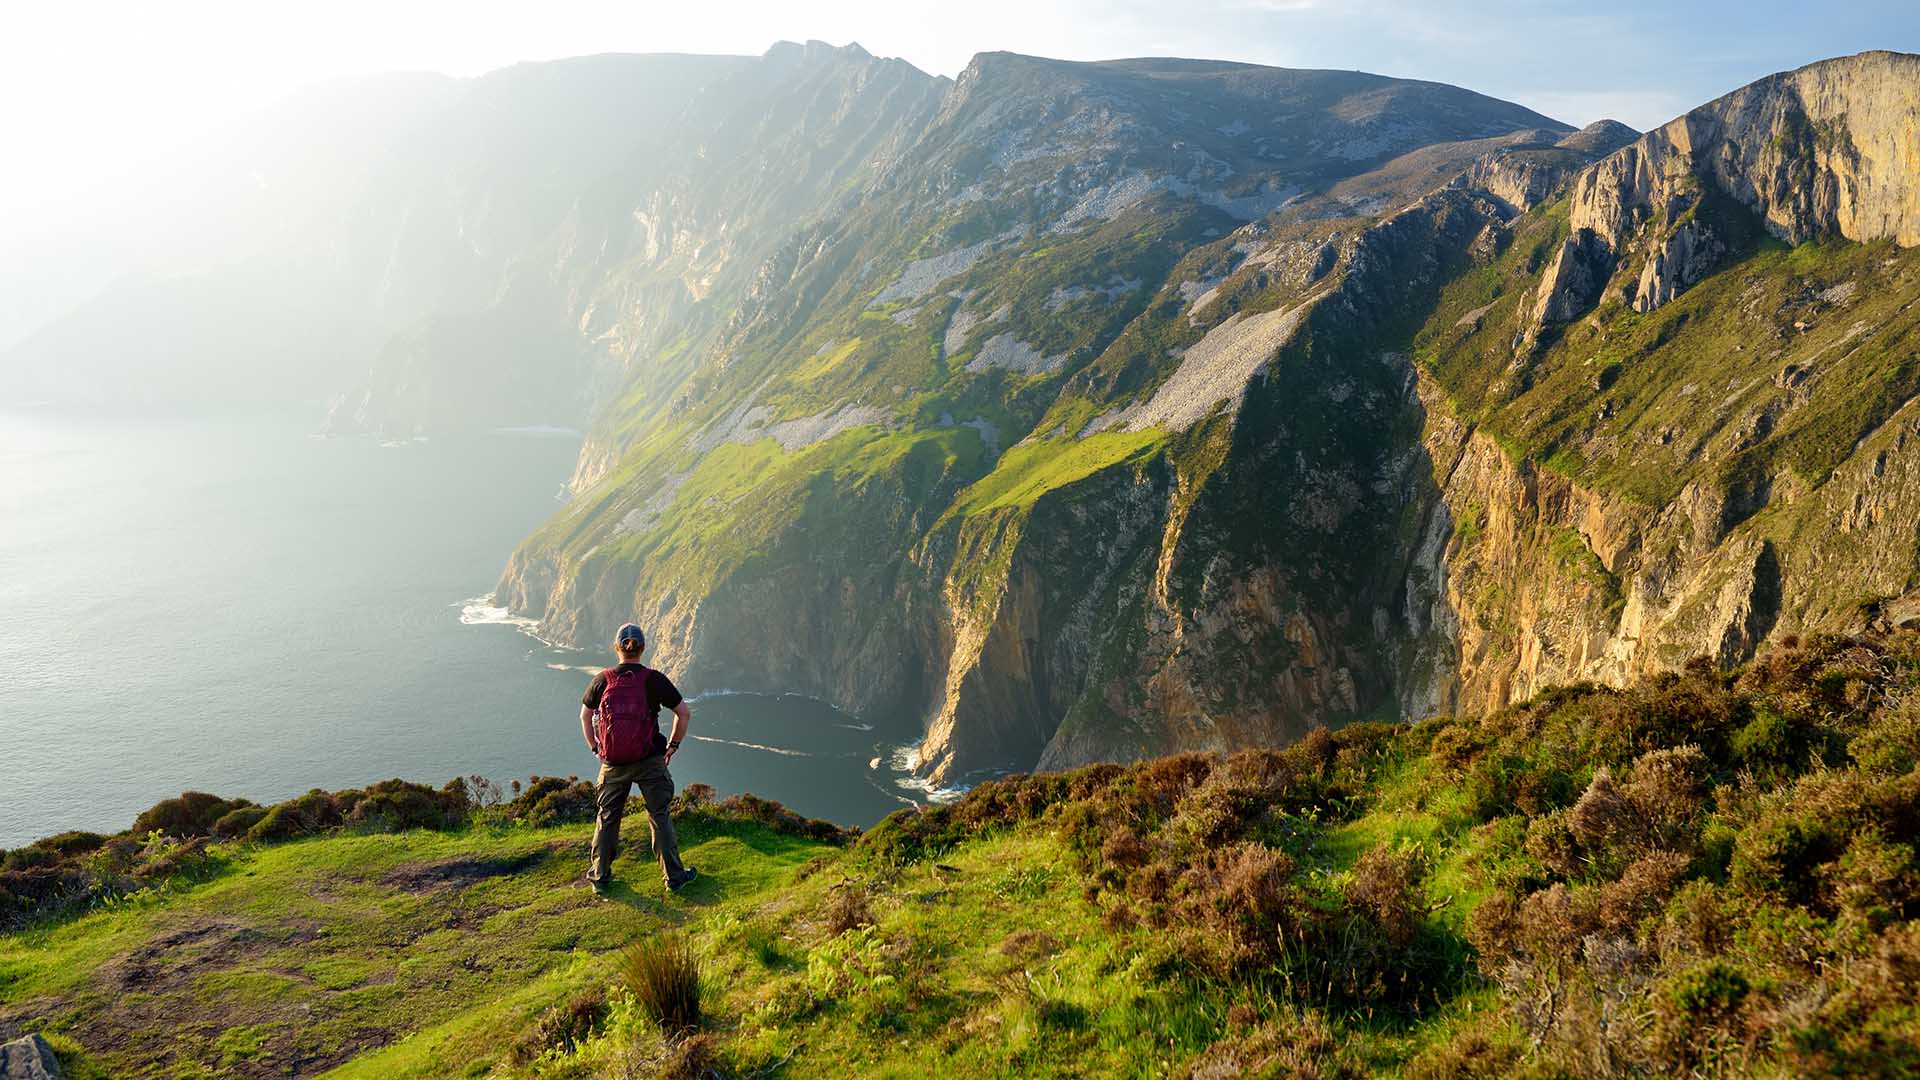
column 315, row 950
column 1026, row 473
column 1643, row 403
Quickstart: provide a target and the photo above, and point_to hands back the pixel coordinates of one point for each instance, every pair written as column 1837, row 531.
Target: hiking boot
column 676, row 886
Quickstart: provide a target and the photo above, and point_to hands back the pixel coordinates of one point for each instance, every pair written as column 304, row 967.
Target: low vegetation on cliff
column 1706, row 874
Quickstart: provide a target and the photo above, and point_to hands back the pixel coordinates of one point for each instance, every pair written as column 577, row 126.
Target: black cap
column 630, row 632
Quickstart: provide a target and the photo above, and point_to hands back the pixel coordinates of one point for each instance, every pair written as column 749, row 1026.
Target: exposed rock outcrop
column 1600, row 138
column 1823, row 151
column 1573, row 280
column 1524, row 176
column 1682, row 258
column 28, row 1058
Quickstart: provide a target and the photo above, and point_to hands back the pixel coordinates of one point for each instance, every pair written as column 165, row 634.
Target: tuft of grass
column 663, row 973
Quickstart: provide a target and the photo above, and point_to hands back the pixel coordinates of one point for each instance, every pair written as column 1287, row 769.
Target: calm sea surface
column 245, row 609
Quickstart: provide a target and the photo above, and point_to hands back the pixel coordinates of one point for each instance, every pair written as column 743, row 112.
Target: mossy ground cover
column 1782, row 358
column 1709, row 874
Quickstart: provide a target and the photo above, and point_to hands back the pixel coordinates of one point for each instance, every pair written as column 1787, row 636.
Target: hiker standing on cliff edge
column 620, row 718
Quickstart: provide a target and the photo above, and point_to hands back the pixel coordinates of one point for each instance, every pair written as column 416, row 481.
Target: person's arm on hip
column 682, row 716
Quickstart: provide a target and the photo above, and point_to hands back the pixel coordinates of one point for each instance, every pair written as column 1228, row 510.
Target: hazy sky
column 90, row 91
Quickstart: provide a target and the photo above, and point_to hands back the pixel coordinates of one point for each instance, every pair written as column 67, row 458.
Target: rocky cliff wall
column 1525, row 579
column 1267, row 477
column 1828, row 150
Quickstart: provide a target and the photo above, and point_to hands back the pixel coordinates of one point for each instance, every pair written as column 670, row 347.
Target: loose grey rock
column 28, row 1058
column 1007, row 351
column 1215, row 369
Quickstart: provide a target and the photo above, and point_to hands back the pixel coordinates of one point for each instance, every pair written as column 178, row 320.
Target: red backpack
column 624, row 722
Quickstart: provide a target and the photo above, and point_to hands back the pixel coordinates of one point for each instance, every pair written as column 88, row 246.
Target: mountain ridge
column 1104, row 409
column 1334, row 679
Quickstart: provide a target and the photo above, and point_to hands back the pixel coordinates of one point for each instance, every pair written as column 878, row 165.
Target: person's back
column 619, row 718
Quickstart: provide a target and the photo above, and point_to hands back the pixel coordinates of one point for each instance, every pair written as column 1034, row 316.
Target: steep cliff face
column 1680, row 436
column 1094, row 410
column 1826, row 151
column 991, row 446
column 1614, row 497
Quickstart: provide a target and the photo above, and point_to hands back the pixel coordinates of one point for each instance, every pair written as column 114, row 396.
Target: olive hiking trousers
column 610, row 795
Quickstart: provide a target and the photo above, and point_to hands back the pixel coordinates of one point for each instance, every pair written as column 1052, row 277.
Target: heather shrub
column 1696, row 1013
column 1231, row 903
column 1890, row 744
column 1641, row 891
column 192, row 814
column 1302, row 1047
column 693, row 797
column 776, row 817
column 1868, row 1024
column 396, row 805
column 1551, row 842
column 1873, row 884
column 68, row 845
column 32, row 892
column 1604, row 822
column 1778, row 856
column 238, row 822
column 691, row 1057
column 310, row 814
column 561, row 1028
column 1773, row 744
column 847, row 908
column 1669, row 787
column 549, row 800
column 1487, row 1050
column 1385, row 886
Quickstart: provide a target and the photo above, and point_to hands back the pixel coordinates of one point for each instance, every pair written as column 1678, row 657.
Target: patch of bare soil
column 177, row 958
column 16, row 1021
column 452, row 875
column 144, row 1014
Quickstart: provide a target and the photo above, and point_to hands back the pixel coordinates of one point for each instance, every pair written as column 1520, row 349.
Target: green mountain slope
column 1678, row 403
column 1092, row 411
column 1166, row 441
column 941, row 374
column 1703, row 874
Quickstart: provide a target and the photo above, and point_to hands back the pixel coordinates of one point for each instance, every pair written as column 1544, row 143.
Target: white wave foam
column 720, row 692
column 753, row 746
column 482, row 611
column 904, row 760
column 856, row 727
column 583, row 668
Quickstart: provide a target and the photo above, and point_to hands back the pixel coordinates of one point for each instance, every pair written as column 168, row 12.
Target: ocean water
column 243, row 608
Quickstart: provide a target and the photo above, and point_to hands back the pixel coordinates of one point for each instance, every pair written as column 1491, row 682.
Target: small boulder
column 28, row 1058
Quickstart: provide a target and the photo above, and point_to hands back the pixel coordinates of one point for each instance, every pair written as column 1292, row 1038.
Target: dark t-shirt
column 661, row 693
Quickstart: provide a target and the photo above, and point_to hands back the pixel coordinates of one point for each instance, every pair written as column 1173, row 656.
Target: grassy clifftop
column 1708, row 874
